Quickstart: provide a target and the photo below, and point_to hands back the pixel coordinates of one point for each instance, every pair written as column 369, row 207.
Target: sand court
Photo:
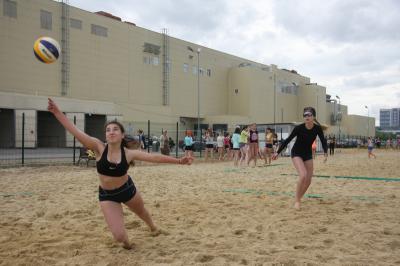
column 214, row 214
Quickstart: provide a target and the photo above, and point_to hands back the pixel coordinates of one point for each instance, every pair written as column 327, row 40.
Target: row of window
column 46, row 19
column 288, row 88
column 201, row 71
column 154, row 60
column 46, row 22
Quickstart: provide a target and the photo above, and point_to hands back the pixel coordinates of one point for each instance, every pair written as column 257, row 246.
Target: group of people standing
column 242, row 146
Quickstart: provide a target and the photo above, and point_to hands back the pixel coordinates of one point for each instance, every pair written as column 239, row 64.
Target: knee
column 302, row 177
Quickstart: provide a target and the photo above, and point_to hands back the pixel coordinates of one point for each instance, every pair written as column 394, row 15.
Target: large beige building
column 114, row 69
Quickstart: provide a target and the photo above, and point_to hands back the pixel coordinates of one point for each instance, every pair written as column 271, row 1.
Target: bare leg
column 236, row 157
column 256, row 151
column 242, row 155
column 310, row 169
column 137, row 206
column 113, row 215
column 302, row 171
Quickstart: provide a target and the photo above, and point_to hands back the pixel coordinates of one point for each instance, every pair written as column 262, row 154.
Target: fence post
column 201, row 140
column 23, row 139
column 148, row 136
column 74, row 145
column 176, row 140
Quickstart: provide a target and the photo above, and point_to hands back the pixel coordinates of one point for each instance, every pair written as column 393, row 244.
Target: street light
column 198, row 90
column 339, row 116
column 368, row 120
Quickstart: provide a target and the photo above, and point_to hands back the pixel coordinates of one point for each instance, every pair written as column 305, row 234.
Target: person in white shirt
column 220, row 146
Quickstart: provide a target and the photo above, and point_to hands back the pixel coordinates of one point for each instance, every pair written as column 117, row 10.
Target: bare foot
column 297, row 205
column 157, row 232
column 128, row 246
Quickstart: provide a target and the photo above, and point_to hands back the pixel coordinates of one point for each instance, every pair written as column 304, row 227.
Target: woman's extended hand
column 186, row 160
column 52, row 107
column 274, row 156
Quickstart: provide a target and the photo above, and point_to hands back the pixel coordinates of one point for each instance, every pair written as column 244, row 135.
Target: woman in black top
column 302, row 152
column 116, row 186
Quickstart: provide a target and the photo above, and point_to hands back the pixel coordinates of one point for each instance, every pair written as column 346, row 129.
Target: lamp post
column 339, row 117
column 368, row 120
column 274, row 103
column 198, row 93
column 198, row 90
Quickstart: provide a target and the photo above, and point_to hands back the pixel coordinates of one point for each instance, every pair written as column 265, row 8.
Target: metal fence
column 20, row 146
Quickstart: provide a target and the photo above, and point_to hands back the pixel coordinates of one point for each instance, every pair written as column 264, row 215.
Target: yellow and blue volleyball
column 46, row 50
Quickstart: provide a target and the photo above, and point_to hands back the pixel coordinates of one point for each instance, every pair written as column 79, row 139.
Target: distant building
column 111, row 69
column 389, row 118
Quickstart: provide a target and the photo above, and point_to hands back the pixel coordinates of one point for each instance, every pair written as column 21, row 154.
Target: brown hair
column 121, row 127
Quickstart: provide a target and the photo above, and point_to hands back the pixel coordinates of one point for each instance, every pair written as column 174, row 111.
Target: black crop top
column 107, row 168
column 304, row 140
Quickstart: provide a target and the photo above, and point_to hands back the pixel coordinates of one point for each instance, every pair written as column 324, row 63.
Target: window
column 75, row 23
column 194, row 70
column 99, row 30
column 209, row 72
column 288, row 88
column 151, row 48
column 156, row 61
column 45, row 19
column 10, row 9
column 145, row 60
column 185, row 67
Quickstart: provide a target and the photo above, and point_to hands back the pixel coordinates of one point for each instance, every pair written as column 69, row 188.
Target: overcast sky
column 350, row 47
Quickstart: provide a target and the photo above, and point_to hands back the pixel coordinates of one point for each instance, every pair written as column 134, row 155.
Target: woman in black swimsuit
column 116, row 186
column 302, row 152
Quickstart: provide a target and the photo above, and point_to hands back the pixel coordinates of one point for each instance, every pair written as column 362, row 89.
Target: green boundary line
column 387, row 179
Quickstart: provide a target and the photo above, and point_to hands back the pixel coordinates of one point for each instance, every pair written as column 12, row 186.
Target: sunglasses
column 307, row 115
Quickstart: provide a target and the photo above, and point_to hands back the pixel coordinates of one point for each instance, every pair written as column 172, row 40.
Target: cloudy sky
column 350, row 47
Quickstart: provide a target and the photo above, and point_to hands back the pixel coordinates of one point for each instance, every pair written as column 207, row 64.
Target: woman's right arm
column 288, row 140
column 86, row 140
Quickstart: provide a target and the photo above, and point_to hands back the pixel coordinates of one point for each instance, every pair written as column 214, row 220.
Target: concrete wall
column 113, row 75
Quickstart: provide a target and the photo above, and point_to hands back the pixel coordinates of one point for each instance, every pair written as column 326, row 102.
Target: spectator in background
column 332, row 144
column 236, row 146
column 142, row 139
column 220, row 146
column 370, row 148
column 378, row 143
column 208, row 138
column 188, row 141
column 227, row 145
column 164, row 143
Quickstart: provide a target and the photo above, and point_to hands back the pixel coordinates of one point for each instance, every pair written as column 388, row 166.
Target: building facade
column 389, row 118
column 111, row 69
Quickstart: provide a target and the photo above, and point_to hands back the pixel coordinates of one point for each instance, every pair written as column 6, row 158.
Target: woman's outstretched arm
column 86, row 140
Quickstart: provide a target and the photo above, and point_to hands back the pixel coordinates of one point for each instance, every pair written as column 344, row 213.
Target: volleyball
column 46, row 50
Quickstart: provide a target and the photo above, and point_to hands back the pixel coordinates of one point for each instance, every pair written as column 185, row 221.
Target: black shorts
column 227, row 147
column 209, row 146
column 268, row 145
column 305, row 156
column 189, row 148
column 236, row 149
column 122, row 194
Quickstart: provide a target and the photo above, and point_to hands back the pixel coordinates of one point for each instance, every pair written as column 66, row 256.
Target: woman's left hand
column 186, row 160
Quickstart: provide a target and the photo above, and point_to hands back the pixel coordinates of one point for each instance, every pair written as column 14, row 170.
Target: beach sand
column 214, row 214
